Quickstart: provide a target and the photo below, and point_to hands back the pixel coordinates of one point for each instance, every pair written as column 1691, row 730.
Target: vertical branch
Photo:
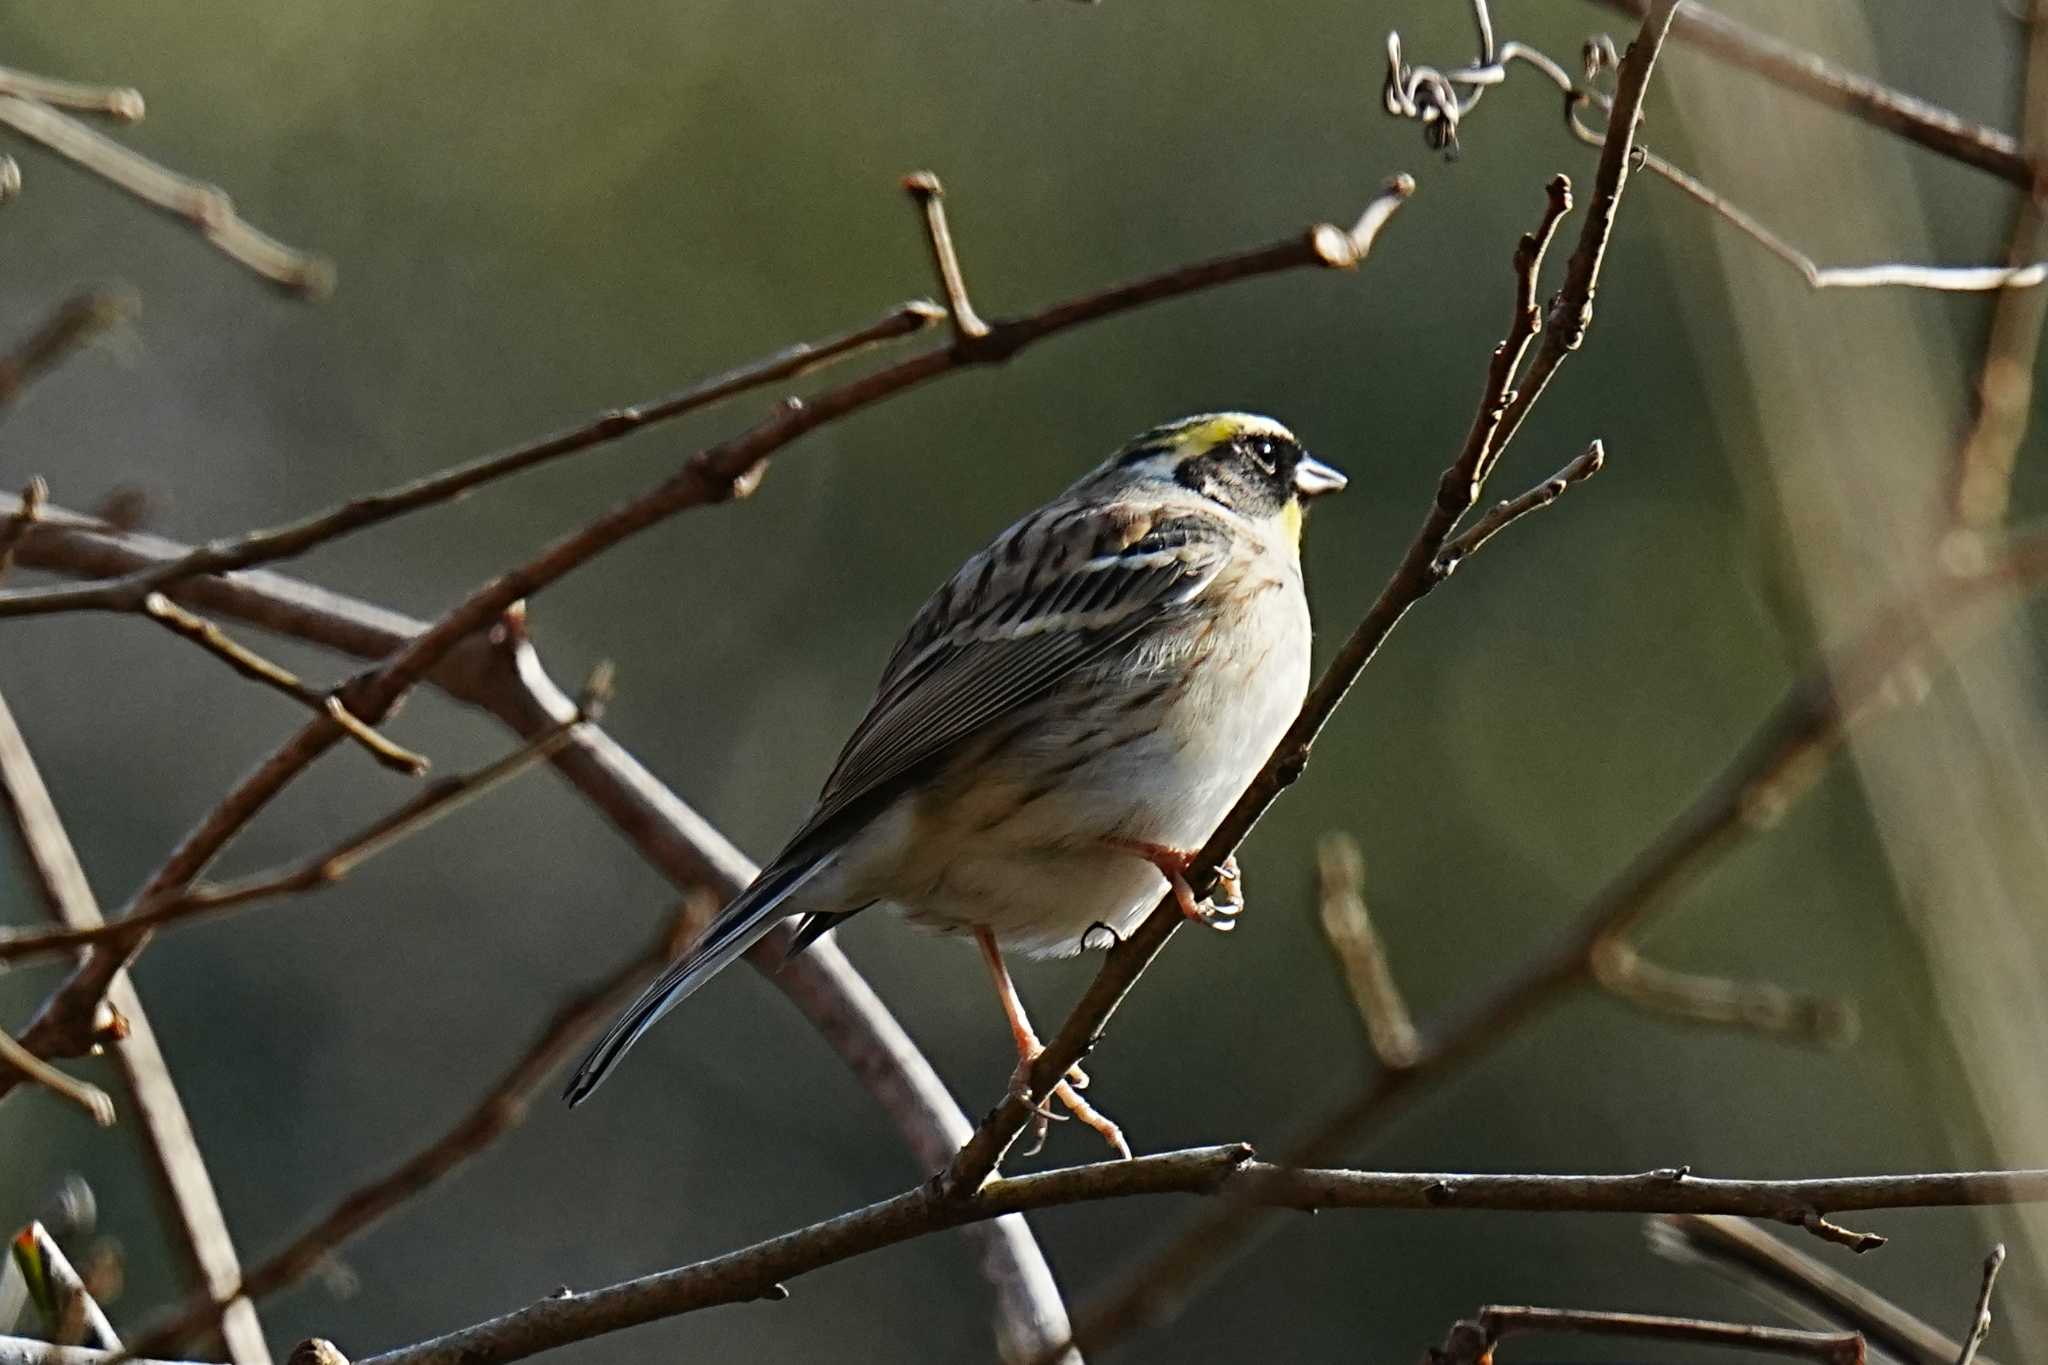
column 200, row 1230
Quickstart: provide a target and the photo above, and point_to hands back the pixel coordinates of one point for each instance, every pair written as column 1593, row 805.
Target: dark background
column 540, row 211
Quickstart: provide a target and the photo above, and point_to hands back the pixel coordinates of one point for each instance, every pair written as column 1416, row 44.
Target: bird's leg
column 1220, row 912
column 1028, row 1049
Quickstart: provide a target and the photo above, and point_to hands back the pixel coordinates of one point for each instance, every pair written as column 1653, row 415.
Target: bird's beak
column 1313, row 478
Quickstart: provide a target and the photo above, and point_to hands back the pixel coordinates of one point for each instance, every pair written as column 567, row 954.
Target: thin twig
column 255, row 667
column 18, row 523
column 713, row 475
column 1347, row 925
column 505, row 679
column 1758, row 1006
column 84, row 1094
column 206, row 207
column 930, row 198
column 1502, row 514
column 1796, row 1284
column 127, row 592
column 28, row 1351
column 502, row 1107
column 1980, row 1323
column 122, row 103
column 1982, row 474
column 71, row 327
column 323, row 869
column 198, row 1228
column 755, row 1272
column 1473, row 1341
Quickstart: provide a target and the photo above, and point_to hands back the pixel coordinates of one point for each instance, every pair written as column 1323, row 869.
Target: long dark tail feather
column 737, row 928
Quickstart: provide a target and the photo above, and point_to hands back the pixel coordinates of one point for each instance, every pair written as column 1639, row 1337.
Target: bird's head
column 1249, row 464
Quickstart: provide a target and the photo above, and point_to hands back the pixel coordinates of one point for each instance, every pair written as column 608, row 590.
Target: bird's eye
column 1265, row 455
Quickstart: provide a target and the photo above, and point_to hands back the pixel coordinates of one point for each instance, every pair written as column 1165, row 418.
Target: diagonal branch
column 206, row 207
column 1816, row 79
column 74, row 324
column 199, row 1228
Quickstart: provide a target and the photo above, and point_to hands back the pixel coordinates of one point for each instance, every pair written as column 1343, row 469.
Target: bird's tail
column 737, row 928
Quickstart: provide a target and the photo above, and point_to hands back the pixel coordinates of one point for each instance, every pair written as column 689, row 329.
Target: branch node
column 1815, row 1222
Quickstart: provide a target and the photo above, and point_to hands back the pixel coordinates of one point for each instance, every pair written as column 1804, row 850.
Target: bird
column 1061, row 727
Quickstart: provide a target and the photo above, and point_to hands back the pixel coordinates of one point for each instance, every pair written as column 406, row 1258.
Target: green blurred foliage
column 542, row 211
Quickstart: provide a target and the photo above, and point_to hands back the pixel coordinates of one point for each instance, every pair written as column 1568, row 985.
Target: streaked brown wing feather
column 1055, row 592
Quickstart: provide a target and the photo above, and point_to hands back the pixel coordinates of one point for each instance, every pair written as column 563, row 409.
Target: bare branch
column 1473, row 1340
column 205, row 207
column 1808, row 75
column 1502, row 514
column 1340, row 877
column 72, row 326
column 1759, row 1006
column 126, row 593
column 122, row 103
column 502, row 1108
column 1980, row 1323
column 84, row 1094
column 759, row 1271
column 255, row 667
column 323, row 869
column 199, row 1229
column 1792, row 1281
column 930, row 198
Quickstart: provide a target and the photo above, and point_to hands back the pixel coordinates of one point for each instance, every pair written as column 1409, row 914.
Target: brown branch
column 503, row 1107
column 1808, row 75
column 1347, row 925
column 1984, row 463
column 127, row 592
column 200, row 1230
column 19, row 522
column 256, row 668
column 122, row 103
column 74, row 324
column 1980, row 1321
column 1502, row 514
column 713, row 475
column 1473, row 1340
column 206, row 207
column 1459, row 490
column 759, row 1271
column 84, row 1094
column 326, row 868
column 1790, row 1280
column 1758, row 1006
column 930, row 198
column 510, row 684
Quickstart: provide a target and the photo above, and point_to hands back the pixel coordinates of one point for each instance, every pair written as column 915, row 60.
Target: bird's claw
column 1223, row 905
column 1067, row 1092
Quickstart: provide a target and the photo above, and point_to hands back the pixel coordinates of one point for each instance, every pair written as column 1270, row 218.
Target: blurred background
column 538, row 212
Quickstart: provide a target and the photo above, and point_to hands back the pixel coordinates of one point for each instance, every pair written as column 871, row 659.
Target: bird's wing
column 1055, row 592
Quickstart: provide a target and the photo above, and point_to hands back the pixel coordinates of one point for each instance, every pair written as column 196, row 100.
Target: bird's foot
column 1067, row 1092
column 1223, row 906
